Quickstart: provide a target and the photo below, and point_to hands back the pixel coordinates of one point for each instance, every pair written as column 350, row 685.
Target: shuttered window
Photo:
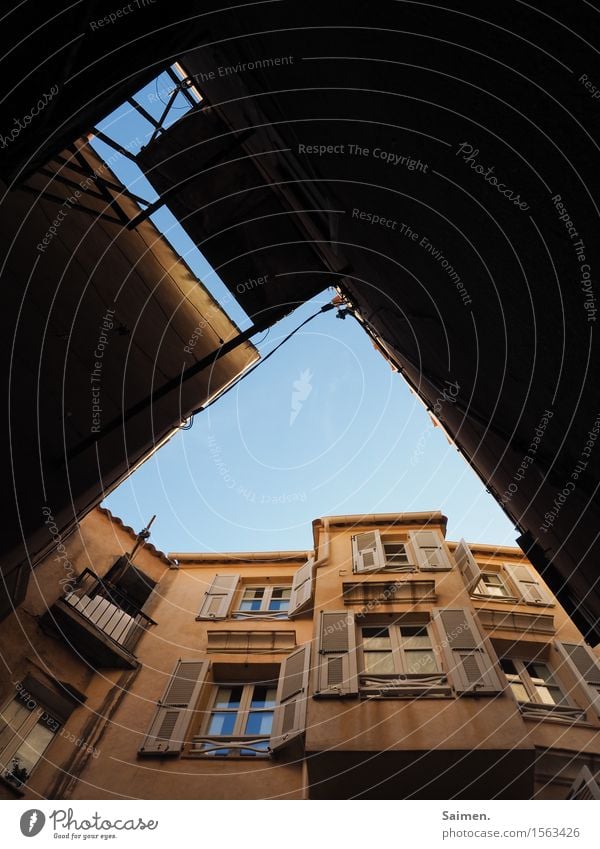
column 218, row 598
column 399, row 659
column 585, row 786
column 290, row 713
column 429, row 551
column 467, row 566
column 471, row 662
column 527, row 584
column 240, row 721
column 175, row 710
column 368, row 553
column 256, row 600
column 336, row 668
column 302, row 589
column 397, row 649
column 374, row 552
column 579, row 658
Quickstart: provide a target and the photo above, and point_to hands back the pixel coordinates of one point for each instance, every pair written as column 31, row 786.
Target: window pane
column 508, row 666
column 11, row 719
column 376, row 638
column 13, row 714
column 259, row 723
column 250, row 605
column 421, row 662
column 263, row 697
column 228, row 697
column 221, row 723
column 217, row 752
column 416, row 638
column 379, row 662
column 549, row 694
column 520, row 692
column 252, row 599
column 31, row 749
column 493, row 580
column 279, row 604
column 491, row 584
column 538, row 670
column 395, row 552
column 280, row 598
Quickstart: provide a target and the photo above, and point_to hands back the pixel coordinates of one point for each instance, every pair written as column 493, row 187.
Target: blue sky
column 323, row 428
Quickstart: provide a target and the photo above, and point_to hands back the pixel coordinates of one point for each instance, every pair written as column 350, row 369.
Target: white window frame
column 507, row 596
column 265, row 601
column 12, row 743
column 236, row 741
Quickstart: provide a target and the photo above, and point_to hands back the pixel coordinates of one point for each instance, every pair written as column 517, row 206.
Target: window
column 25, row 732
column 395, row 555
column 398, row 649
column 240, row 713
column 274, row 600
column 532, row 681
column 492, row 584
column 528, row 587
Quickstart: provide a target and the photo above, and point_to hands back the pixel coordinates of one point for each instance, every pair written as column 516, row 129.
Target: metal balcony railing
column 109, row 609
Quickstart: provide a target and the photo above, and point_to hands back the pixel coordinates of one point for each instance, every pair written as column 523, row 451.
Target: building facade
column 383, row 662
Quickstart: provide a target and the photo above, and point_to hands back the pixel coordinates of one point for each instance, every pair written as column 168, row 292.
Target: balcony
column 100, row 621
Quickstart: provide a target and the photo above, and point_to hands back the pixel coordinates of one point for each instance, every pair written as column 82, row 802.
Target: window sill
column 404, row 686
column 505, row 599
column 513, row 600
column 556, row 713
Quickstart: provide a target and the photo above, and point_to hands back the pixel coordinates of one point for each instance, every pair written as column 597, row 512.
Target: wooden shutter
column 167, row 731
column 290, row 714
column 527, row 584
column 217, row 600
column 367, row 552
column 302, row 589
column 337, row 673
column 585, row 786
column 429, row 551
column 471, row 662
column 467, row 565
column 586, row 668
